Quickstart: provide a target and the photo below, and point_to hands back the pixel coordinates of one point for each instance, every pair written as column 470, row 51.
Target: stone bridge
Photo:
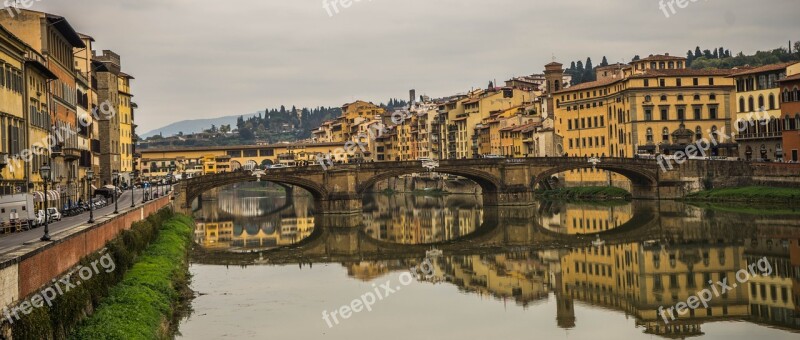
column 504, row 182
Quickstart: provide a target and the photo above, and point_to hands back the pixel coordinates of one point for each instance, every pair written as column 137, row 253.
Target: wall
column 31, row 267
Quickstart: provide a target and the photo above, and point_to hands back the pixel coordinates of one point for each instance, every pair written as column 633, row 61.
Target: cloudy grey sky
column 205, row 59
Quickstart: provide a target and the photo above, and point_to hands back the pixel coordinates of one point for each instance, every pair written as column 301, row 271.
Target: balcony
column 752, row 136
column 71, row 153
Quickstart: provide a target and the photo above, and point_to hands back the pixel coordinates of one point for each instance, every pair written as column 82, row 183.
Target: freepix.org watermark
column 332, row 6
column 13, row 6
column 60, row 287
column 701, row 147
column 380, row 292
column 670, row 7
column 58, row 136
column 716, row 289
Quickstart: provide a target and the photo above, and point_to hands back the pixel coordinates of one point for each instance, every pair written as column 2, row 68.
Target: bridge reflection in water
column 653, row 253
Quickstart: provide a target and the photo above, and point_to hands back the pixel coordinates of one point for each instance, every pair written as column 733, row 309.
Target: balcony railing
column 746, row 136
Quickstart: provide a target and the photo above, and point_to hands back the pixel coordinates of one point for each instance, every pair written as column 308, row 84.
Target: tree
column 491, row 85
column 246, row 134
column 588, row 74
column 572, row 66
column 716, row 54
column 707, row 54
column 604, row 62
column 797, row 47
column 697, row 52
column 636, row 58
column 689, row 57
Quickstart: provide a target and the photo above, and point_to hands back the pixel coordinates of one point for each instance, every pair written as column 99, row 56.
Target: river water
column 267, row 267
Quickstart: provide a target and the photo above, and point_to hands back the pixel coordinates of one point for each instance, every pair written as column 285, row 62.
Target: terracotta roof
column 765, row 68
column 471, row 101
column 791, row 78
column 659, row 57
column 554, row 64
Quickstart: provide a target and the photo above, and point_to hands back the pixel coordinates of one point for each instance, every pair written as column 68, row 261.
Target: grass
column 750, row 209
column 747, row 194
column 141, row 306
column 587, row 193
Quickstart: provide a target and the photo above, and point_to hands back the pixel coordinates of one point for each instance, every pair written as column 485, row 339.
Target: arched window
column 680, row 97
column 649, row 135
column 713, row 134
column 698, row 133
column 663, row 98
column 761, row 102
column 786, row 95
column 741, row 104
column 647, row 98
column 796, row 125
column 665, row 135
column 796, row 94
column 772, row 101
column 751, row 105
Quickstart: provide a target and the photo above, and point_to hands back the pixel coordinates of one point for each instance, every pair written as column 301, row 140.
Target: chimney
column 666, row 54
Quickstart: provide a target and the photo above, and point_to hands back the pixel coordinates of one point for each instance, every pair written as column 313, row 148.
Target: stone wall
column 409, row 184
column 28, row 269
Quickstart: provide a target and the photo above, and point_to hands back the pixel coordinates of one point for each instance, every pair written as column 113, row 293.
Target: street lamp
column 133, row 191
column 44, row 171
column 90, row 178
column 115, row 177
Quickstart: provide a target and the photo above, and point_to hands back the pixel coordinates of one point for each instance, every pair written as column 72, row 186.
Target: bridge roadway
column 504, row 182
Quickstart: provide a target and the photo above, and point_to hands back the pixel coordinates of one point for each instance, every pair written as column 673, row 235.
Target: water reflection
column 253, row 216
column 655, row 254
column 412, row 219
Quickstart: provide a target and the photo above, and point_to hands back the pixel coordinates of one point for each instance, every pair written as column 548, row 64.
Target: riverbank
column 79, row 292
column 747, row 195
column 586, row 194
column 143, row 305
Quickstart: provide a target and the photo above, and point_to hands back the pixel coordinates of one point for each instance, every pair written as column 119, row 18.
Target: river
column 267, row 267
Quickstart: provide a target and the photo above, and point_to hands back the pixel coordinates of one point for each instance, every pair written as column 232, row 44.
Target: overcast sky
column 205, row 59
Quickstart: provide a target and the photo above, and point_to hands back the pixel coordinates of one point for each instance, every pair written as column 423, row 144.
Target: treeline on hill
column 698, row 59
column 282, row 125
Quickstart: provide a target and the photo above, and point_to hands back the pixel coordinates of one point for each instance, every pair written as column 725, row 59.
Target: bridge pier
column 345, row 204
column 644, row 192
column 508, row 199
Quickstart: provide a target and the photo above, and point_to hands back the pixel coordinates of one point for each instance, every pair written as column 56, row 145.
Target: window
column 698, row 112
column 712, row 112
column 648, row 114
column 664, row 113
column 698, row 133
column 678, row 82
column 662, row 82
column 751, row 105
column 712, row 96
column 711, row 81
column 665, row 135
column 761, row 102
column 663, row 98
column 649, row 135
column 681, row 113
column 772, row 102
column 695, row 81
column 680, row 97
column 646, row 82
column 741, row 104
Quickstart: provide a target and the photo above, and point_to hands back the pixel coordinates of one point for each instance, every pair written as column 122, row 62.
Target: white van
column 18, row 207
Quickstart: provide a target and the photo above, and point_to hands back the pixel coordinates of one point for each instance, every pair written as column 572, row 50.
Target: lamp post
column 90, row 178
column 115, row 177
column 44, row 171
column 133, row 191
column 149, row 188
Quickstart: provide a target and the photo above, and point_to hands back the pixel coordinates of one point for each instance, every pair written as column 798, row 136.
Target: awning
column 52, row 195
column 38, row 196
column 94, row 187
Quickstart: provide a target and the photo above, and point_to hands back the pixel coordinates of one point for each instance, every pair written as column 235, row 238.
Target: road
column 11, row 242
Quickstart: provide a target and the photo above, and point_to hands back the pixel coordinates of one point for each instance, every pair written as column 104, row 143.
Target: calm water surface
column 270, row 268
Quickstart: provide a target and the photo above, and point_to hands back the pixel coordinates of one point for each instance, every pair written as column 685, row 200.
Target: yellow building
column 758, row 97
column 13, row 127
column 38, row 123
column 125, row 111
column 658, row 107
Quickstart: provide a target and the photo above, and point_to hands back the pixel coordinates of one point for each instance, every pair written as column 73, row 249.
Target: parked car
column 54, row 214
column 38, row 218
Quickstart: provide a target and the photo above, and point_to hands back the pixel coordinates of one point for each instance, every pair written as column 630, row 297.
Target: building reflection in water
column 253, row 216
column 692, row 247
column 411, row 219
column 696, row 246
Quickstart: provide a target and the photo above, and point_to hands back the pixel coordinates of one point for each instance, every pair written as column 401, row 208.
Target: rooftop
column 760, row 69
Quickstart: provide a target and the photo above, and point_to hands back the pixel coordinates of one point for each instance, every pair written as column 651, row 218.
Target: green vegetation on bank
column 143, row 304
column 747, row 194
column 586, row 194
column 764, row 209
column 69, row 309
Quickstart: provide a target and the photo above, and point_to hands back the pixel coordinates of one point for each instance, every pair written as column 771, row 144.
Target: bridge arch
column 197, row 186
column 487, row 182
column 644, row 182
